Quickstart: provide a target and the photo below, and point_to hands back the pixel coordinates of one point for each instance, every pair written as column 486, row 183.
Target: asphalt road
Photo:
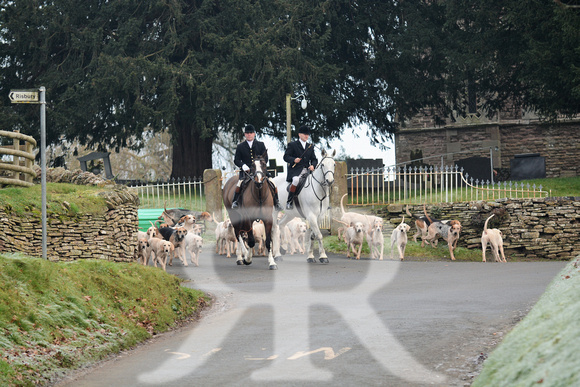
column 346, row 323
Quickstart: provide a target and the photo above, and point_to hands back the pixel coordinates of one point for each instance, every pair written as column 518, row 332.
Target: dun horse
column 257, row 203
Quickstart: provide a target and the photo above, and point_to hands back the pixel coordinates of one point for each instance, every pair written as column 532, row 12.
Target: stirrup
column 235, row 205
column 289, row 206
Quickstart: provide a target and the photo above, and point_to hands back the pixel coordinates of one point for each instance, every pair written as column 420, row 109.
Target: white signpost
column 23, row 96
column 32, row 96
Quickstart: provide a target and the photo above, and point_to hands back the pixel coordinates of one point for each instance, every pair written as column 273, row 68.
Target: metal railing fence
column 416, row 185
column 366, row 187
column 188, row 193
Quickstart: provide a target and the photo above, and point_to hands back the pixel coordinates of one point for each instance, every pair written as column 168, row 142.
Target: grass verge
column 413, row 251
column 55, row 317
column 556, row 187
column 543, row 348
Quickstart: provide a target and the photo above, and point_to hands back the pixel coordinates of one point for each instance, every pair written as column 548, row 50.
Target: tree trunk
column 192, row 154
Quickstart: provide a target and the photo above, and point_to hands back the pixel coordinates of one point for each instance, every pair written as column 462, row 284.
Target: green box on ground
column 148, row 215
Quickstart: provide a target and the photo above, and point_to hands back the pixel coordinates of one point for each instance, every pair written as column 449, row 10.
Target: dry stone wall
column 532, row 228
column 108, row 236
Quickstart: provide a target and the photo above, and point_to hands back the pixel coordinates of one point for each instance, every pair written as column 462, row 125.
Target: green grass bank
column 544, row 348
column 56, row 317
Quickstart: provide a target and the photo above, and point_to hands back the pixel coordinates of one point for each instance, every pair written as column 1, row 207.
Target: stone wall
column 558, row 143
column 532, row 228
column 107, row 236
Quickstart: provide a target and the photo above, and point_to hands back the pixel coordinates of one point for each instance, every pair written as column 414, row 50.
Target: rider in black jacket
column 300, row 158
column 246, row 152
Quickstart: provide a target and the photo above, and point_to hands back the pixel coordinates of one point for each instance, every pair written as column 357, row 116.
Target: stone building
column 508, row 134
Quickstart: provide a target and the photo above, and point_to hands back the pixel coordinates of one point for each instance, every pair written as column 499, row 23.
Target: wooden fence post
column 212, row 179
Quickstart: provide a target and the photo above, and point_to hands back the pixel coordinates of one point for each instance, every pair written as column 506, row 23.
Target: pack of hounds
column 179, row 235
column 360, row 227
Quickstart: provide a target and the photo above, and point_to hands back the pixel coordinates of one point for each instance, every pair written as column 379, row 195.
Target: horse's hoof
column 240, row 262
column 311, row 260
column 278, row 259
column 273, row 267
column 323, row 260
column 247, row 262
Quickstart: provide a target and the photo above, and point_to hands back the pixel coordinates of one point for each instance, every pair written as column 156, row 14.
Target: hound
column 377, row 240
column 297, row 241
column 143, row 251
column 493, row 236
column 422, row 223
column 197, row 229
column 193, row 244
column 340, row 233
column 153, row 232
column 285, row 237
column 399, row 238
column 175, row 236
column 226, row 241
column 187, row 222
column 172, row 216
column 368, row 221
column 355, row 235
column 161, row 249
column 259, row 236
column 449, row 231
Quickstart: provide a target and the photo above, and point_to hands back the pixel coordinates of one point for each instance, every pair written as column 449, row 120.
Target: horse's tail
column 341, row 205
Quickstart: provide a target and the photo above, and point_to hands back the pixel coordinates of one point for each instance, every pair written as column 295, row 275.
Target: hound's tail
column 409, row 213
column 340, row 221
column 486, row 221
column 427, row 216
column 341, row 205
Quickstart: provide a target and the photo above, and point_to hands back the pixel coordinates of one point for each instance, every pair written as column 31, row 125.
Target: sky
column 354, row 147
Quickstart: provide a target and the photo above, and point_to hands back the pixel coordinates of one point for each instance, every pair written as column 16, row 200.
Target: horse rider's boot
column 289, row 203
column 277, row 205
column 274, row 191
column 237, row 193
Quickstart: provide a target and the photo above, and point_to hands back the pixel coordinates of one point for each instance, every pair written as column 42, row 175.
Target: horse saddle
column 300, row 185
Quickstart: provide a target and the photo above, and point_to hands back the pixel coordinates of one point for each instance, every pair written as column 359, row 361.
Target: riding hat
column 249, row 129
column 304, row 129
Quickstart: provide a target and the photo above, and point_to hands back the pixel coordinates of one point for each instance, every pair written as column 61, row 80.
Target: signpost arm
column 43, row 167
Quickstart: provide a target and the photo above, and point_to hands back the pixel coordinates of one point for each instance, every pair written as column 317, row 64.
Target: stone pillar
column 212, row 179
column 339, row 188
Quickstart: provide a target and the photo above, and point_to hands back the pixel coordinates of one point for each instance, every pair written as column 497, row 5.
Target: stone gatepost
column 212, row 179
column 339, row 188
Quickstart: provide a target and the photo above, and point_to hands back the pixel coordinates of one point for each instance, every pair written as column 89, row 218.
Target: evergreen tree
column 113, row 69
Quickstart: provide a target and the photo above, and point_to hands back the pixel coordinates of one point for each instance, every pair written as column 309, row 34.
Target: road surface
column 346, row 323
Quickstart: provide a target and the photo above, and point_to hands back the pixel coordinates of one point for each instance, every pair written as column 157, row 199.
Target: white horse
column 313, row 201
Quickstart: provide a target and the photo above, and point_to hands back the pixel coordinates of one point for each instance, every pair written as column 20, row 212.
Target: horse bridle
column 324, row 183
column 253, row 177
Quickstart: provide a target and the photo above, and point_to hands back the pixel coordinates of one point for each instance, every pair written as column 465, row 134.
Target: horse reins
column 322, row 184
